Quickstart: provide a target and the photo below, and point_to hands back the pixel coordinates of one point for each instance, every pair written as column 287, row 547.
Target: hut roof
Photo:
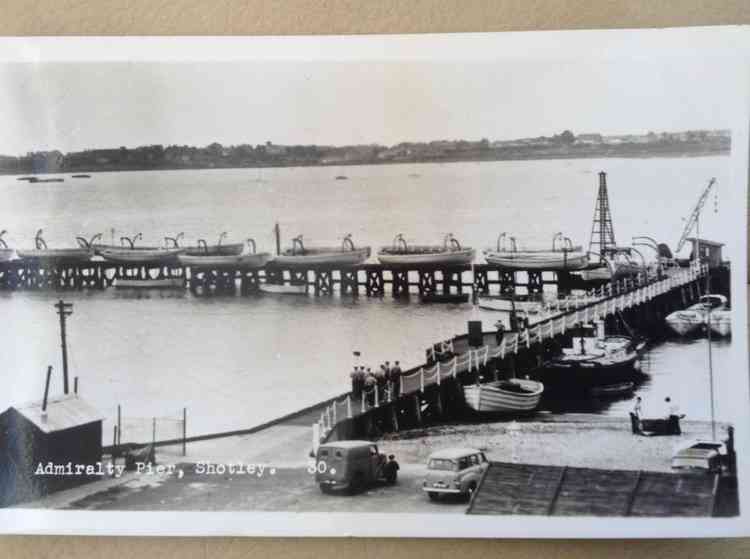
column 63, row 412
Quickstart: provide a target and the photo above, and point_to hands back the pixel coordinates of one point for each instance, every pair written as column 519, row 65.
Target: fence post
column 401, row 384
column 333, row 406
column 421, row 377
column 348, row 406
column 455, row 366
column 377, row 400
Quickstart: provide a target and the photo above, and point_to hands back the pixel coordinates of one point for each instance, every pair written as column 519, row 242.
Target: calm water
column 236, row 361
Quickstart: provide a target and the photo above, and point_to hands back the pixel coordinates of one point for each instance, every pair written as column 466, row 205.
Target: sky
column 75, row 106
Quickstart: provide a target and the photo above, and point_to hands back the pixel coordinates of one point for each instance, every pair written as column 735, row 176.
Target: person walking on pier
column 371, row 384
column 635, row 416
column 396, row 380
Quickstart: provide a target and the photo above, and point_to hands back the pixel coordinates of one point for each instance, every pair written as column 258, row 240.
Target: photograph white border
column 728, row 45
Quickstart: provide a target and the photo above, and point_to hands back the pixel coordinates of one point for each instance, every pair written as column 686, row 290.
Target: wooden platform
column 564, row 491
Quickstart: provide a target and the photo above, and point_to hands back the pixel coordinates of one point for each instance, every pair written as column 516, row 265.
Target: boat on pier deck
column 204, row 249
column 507, row 256
column 299, row 256
column 43, row 255
column 131, row 254
column 450, row 253
column 695, row 318
column 209, row 259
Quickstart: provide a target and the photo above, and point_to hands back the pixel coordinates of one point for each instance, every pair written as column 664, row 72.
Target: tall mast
column 602, row 231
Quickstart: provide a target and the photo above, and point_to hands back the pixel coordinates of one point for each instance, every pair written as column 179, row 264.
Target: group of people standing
column 386, row 378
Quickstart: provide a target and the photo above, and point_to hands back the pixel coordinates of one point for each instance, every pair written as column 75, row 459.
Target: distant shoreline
column 594, row 152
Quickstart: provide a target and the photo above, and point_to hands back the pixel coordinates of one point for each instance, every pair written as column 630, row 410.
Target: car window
column 441, row 464
column 373, row 450
column 323, row 452
column 463, row 463
column 473, row 460
column 483, row 458
column 339, row 454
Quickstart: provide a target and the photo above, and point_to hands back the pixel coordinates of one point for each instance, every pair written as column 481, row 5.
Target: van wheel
column 325, row 489
column 433, row 496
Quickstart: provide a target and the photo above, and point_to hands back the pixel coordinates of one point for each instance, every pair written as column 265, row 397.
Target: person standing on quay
column 396, row 380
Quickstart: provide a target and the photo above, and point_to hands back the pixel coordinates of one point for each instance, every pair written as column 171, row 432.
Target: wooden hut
column 68, row 433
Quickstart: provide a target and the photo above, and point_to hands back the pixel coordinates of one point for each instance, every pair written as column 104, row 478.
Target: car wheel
column 433, row 496
column 325, row 489
column 358, row 483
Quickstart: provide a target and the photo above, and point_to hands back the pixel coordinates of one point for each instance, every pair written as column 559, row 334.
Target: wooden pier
column 435, row 389
column 373, row 280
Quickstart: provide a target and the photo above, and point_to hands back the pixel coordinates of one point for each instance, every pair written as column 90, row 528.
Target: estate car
column 454, row 471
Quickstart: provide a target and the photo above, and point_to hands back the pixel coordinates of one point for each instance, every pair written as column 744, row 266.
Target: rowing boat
column 504, row 396
column 44, row 254
column 568, row 257
column 300, row 257
column 140, row 255
column 450, row 253
column 241, row 261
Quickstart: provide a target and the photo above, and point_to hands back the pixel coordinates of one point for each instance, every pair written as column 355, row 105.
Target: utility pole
column 64, row 310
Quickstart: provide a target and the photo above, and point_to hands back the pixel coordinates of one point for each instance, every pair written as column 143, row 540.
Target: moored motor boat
column 55, row 255
column 299, row 256
column 6, row 253
column 207, row 260
column 593, row 361
column 568, row 257
column 138, row 255
column 695, row 317
column 450, row 253
column 504, row 396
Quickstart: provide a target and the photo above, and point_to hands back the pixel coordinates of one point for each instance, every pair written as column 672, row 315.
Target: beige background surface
column 266, row 17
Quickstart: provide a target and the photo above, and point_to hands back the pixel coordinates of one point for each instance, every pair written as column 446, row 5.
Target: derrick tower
column 602, row 232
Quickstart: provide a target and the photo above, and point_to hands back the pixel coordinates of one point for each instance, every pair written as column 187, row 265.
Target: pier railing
column 596, row 305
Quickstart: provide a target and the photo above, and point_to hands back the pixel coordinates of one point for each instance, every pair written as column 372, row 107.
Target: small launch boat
column 451, row 253
column 530, row 304
column 504, row 396
column 44, row 254
column 568, row 257
column 298, row 256
column 613, row 390
column 203, row 249
column 207, row 260
column 694, row 318
column 5, row 252
column 138, row 255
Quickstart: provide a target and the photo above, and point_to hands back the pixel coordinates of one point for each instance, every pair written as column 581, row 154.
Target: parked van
column 349, row 465
column 454, row 471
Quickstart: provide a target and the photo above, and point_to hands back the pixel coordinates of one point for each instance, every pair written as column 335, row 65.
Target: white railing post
column 437, row 372
column 502, row 348
column 333, row 405
column 454, row 370
column 363, row 402
column 348, row 406
column 421, row 377
column 401, row 384
column 377, row 397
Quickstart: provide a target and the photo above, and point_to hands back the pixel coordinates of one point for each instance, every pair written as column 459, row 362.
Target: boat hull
column 613, row 390
column 502, row 304
column 140, row 256
column 245, row 261
column 231, row 249
column 685, row 323
column 493, row 398
column 537, row 261
column 56, row 254
column 721, row 323
column 323, row 258
column 446, row 258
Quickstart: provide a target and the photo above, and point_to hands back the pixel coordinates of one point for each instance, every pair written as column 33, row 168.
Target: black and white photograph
column 438, row 285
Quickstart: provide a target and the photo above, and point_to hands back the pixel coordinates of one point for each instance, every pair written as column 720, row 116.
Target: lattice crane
column 694, row 216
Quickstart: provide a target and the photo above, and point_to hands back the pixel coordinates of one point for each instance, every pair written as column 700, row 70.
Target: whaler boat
column 692, row 319
column 203, row 249
column 451, row 253
column 44, row 254
column 568, row 257
column 298, row 256
column 721, row 322
column 504, row 396
column 208, row 260
column 5, row 252
column 138, row 255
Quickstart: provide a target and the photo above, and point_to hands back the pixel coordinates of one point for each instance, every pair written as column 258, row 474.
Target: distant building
column 69, row 432
column 589, row 139
column 710, row 251
column 272, row 149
